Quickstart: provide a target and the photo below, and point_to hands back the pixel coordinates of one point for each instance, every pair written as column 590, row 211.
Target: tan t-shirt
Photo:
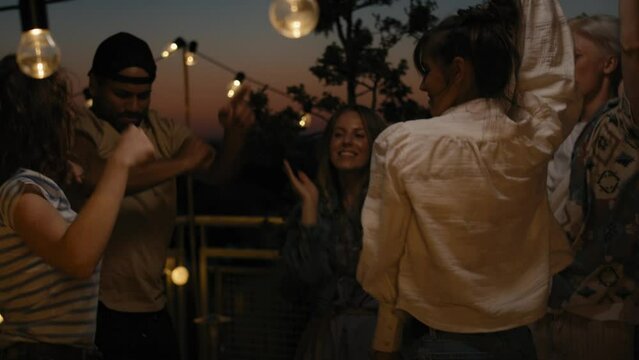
column 133, row 262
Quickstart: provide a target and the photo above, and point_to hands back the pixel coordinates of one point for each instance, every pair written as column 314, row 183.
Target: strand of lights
column 234, row 86
column 264, row 86
column 178, row 43
column 37, row 54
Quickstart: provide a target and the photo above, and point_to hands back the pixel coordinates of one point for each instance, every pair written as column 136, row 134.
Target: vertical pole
column 190, row 199
column 187, row 102
column 189, row 185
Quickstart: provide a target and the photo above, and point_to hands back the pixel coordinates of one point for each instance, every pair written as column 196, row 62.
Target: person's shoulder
column 22, row 177
column 395, row 132
column 27, row 175
column 423, row 128
column 616, row 117
column 164, row 123
column 86, row 117
column 623, row 105
column 616, row 112
column 86, row 122
column 156, row 118
column 170, row 134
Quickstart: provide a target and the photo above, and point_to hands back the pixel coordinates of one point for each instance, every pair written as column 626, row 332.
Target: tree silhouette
column 359, row 59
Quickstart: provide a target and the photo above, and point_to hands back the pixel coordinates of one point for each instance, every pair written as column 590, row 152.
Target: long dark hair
column 327, row 176
column 35, row 122
column 485, row 34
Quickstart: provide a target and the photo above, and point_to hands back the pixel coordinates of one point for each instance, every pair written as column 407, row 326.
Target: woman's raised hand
column 307, row 191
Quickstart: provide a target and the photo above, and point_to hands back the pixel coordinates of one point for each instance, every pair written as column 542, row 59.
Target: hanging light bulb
column 305, row 120
column 294, row 18
column 1, row 319
column 37, row 54
column 178, row 43
column 234, row 86
column 189, row 56
column 180, row 275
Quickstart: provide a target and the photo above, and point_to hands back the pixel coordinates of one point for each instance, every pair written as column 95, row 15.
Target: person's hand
column 75, row 173
column 196, row 155
column 133, row 148
column 308, row 193
column 302, row 184
column 237, row 116
column 73, row 184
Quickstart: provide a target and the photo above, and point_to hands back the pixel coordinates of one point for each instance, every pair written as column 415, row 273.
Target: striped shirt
column 40, row 303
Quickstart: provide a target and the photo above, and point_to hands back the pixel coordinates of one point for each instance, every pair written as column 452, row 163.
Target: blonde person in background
column 597, row 77
column 595, row 299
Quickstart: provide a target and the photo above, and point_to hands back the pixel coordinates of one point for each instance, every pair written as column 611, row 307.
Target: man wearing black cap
column 132, row 320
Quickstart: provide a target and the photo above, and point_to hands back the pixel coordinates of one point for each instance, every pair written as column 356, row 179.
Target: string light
column 180, row 275
column 294, row 18
column 235, row 85
column 259, row 83
column 37, row 54
column 305, row 120
column 189, row 56
column 178, row 43
column 177, row 275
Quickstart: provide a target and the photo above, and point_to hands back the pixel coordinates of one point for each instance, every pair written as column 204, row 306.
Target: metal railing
column 237, row 312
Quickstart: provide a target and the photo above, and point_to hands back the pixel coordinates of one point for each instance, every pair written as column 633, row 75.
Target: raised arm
column 629, row 18
column 547, row 59
column 76, row 248
column 192, row 153
column 305, row 251
column 237, row 118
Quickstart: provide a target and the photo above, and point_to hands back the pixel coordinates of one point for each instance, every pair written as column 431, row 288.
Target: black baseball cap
column 121, row 51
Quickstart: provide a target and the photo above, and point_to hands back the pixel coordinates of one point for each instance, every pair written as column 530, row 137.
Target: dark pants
column 429, row 344
column 135, row 336
column 42, row 351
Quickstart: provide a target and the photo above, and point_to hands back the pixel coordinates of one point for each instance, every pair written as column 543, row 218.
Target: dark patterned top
column 603, row 221
column 324, row 259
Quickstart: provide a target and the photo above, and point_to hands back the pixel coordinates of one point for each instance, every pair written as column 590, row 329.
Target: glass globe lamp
column 294, row 18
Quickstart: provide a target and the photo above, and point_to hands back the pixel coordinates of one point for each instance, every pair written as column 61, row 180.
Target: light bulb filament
column 35, row 32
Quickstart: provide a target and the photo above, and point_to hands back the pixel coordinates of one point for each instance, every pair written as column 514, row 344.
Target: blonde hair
column 603, row 31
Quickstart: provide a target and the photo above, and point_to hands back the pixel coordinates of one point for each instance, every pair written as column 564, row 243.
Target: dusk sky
column 234, row 32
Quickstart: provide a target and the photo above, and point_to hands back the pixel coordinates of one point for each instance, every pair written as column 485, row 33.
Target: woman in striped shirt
column 49, row 255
